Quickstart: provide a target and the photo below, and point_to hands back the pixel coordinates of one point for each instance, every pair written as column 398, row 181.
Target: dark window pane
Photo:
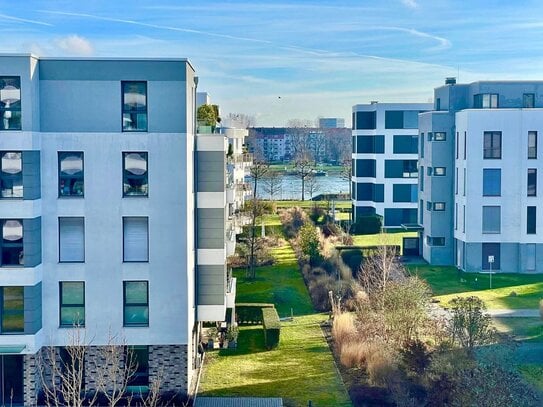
column 10, row 103
column 492, row 145
column 135, row 176
column 492, row 181
column 134, row 106
column 532, row 182
column 13, row 309
column 12, row 243
column 70, row 174
column 394, row 119
column 532, row 144
column 531, row 220
column 365, row 120
column 11, row 175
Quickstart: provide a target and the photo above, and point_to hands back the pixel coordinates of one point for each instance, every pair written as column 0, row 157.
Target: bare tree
column 62, row 375
column 312, row 184
column 338, row 144
column 272, row 183
column 241, row 120
column 303, row 168
column 258, row 170
column 116, row 367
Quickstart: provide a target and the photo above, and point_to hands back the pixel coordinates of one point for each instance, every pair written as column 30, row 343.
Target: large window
column 135, row 178
column 405, row 145
column 401, row 119
column 135, row 239
column 72, row 303
column 531, row 220
column 532, row 182
column 365, row 168
column 12, row 309
column 440, row 171
column 11, row 175
column 70, row 174
column 404, row 193
column 493, row 251
column 136, row 303
column 140, row 357
column 370, row 144
column 71, row 233
column 440, row 136
column 10, row 103
column 492, row 145
column 134, row 106
column 435, row 241
column 12, row 243
column 485, row 101
column 492, row 182
column 491, row 219
column 532, row 144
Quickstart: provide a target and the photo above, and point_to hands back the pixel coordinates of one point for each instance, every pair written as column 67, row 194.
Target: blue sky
column 281, row 60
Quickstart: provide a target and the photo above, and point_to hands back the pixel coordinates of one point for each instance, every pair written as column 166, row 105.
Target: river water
column 291, row 187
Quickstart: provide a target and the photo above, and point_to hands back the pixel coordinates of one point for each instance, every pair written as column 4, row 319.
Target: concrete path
column 523, row 312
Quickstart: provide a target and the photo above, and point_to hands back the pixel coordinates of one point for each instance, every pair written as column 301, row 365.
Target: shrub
column 366, row 225
column 250, row 313
column 353, row 354
column 381, row 366
column 330, row 229
column 318, row 215
column 292, row 219
column 343, row 329
column 309, row 243
column 272, row 327
column 353, row 258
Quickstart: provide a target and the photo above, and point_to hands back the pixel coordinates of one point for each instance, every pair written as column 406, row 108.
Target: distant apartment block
column 480, row 170
column 114, row 213
column 331, row 122
column 384, row 161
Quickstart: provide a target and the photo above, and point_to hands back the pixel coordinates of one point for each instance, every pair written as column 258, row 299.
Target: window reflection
column 11, row 175
column 10, row 103
column 135, row 178
column 134, row 106
column 71, row 176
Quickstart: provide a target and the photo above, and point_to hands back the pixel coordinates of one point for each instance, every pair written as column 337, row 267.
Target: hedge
column 250, row 313
column 272, row 327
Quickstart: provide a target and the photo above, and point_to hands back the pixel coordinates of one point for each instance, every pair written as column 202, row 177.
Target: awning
column 11, row 349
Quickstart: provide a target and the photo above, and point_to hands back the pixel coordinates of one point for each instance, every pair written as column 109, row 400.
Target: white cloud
column 410, row 3
column 75, row 45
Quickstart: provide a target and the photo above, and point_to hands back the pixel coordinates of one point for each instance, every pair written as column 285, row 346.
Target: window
column 428, row 206
column 421, row 212
column 364, row 120
column 400, row 119
column 438, row 103
column 530, row 257
column 404, row 193
column 11, row 175
column 439, row 206
column 532, row 144
column 464, row 179
column 491, row 219
column 135, row 239
column 410, row 169
column 485, row 101
column 134, row 106
column 401, row 169
column 421, row 145
column 531, row 220
column 528, row 100
column 421, row 179
column 136, row 303
column 435, row 241
column 135, row 178
column 365, row 168
column 440, row 136
column 71, row 233
column 72, row 303
column 456, row 181
column 70, row 174
column 429, row 171
column 465, row 145
column 492, row 145
column 532, row 182
column 12, row 309
column 439, row 171
column 140, row 357
column 492, row 182
column 455, row 216
column 12, row 243
column 405, row 145
column 10, row 102
column 430, row 136
column 370, row 144
column 457, row 142
column 463, row 218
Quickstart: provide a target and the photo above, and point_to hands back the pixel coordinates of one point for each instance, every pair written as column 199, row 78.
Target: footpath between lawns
column 301, row 368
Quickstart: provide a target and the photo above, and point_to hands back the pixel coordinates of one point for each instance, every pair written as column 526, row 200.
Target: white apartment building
column 384, row 161
column 112, row 212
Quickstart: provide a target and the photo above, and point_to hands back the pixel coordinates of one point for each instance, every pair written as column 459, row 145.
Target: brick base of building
column 168, row 364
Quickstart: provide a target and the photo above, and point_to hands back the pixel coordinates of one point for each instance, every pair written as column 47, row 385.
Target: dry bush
column 343, row 329
column 320, row 286
column 352, row 354
column 359, row 299
column 381, row 366
column 292, row 219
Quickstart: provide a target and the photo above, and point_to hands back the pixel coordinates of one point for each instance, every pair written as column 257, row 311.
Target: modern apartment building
column 384, row 161
column 478, row 187
column 331, row 122
column 112, row 211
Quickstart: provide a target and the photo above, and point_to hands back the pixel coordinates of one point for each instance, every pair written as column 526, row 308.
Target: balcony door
column 11, row 375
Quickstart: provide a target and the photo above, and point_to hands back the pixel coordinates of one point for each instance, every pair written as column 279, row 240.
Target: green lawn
column 299, row 370
column 447, row 283
column 281, row 284
column 394, row 238
column 534, row 374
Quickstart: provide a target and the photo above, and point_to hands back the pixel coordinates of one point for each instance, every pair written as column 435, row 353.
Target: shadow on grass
column 250, row 341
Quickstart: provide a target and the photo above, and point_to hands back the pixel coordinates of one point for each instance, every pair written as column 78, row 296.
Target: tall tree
column 312, row 184
column 303, row 168
column 241, row 120
column 258, row 170
column 272, row 183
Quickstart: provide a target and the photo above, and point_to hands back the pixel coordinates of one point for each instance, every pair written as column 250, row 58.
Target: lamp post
column 490, row 261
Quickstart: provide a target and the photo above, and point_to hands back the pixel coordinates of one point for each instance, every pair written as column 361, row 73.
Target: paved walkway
column 518, row 313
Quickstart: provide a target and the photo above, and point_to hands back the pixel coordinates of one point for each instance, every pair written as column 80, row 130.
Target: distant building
column 331, row 122
column 480, row 162
column 202, row 98
column 384, row 166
